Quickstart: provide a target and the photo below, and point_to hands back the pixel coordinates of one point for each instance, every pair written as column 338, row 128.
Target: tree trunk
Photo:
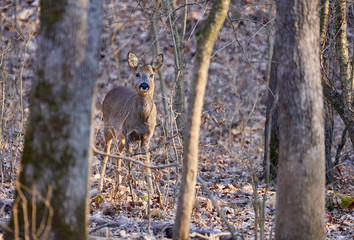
column 329, row 65
column 157, row 50
column 205, row 45
column 51, row 191
column 343, row 54
column 341, row 102
column 272, row 117
column 328, row 133
column 178, row 32
column 301, row 173
column 346, row 73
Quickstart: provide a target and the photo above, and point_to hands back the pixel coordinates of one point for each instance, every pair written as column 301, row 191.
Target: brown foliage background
column 231, row 142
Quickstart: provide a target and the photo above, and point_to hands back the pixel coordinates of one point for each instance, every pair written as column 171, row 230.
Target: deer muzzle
column 144, row 87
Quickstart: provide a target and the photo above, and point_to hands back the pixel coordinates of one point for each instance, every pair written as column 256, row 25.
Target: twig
column 263, row 26
column 196, row 24
column 245, row 55
column 220, row 49
column 126, row 20
column 164, row 22
column 186, row 4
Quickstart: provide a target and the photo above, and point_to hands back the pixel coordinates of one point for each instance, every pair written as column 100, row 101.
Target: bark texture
column 301, row 173
column 205, row 45
column 51, row 193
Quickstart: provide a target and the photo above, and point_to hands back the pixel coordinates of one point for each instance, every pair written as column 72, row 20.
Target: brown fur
column 130, row 114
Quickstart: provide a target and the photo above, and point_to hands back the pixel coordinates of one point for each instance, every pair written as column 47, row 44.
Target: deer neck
column 145, row 104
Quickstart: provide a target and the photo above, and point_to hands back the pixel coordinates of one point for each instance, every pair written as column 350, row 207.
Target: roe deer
column 130, row 114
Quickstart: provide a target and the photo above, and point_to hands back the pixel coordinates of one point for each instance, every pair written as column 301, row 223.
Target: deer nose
column 144, row 87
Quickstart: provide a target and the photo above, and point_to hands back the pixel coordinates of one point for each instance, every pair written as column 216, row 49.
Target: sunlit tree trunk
column 301, row 173
column 51, row 191
column 205, row 45
column 341, row 102
column 346, row 72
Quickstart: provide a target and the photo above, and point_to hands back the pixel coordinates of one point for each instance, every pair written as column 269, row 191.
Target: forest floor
column 232, row 131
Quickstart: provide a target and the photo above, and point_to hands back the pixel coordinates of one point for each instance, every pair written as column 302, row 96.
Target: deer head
column 145, row 73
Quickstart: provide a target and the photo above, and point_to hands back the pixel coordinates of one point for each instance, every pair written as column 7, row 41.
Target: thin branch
column 186, row 4
column 263, row 26
column 126, row 20
column 247, row 59
column 164, row 22
column 230, row 43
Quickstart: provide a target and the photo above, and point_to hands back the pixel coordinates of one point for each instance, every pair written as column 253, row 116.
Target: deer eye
column 137, row 75
column 152, row 75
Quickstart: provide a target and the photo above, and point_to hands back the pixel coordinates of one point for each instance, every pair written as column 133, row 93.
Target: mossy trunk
column 51, row 190
column 301, row 172
column 205, row 45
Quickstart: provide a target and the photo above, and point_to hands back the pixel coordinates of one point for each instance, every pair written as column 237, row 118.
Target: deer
column 129, row 114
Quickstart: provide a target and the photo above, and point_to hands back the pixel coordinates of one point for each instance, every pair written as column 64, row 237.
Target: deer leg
column 118, row 161
column 108, row 148
column 145, row 147
column 128, row 151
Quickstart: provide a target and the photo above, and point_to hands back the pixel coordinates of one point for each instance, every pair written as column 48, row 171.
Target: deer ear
column 133, row 61
column 157, row 62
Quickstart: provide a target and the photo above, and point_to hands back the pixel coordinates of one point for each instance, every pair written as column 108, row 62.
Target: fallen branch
column 133, row 160
column 109, row 224
column 212, row 236
column 157, row 227
column 228, row 225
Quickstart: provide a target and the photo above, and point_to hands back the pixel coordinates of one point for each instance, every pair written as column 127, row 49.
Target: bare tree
column 51, row 191
column 178, row 29
column 329, row 64
column 271, row 150
column 205, row 45
column 342, row 102
column 301, row 174
column 334, row 49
